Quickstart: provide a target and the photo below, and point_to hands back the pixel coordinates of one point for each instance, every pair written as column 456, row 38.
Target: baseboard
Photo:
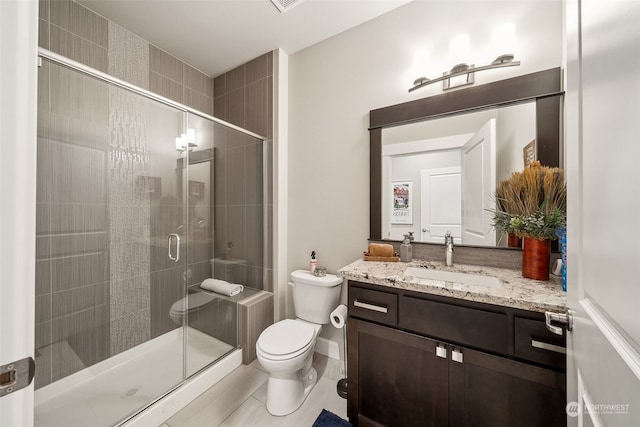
column 328, row 348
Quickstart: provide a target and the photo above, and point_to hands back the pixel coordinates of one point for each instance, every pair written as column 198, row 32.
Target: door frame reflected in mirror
column 543, row 87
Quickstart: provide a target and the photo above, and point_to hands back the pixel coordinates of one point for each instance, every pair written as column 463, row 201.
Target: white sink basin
column 454, row 277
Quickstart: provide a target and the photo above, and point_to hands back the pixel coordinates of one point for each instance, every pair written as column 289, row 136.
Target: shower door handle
column 176, row 237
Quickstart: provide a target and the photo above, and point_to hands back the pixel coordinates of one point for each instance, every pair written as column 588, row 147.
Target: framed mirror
column 435, row 161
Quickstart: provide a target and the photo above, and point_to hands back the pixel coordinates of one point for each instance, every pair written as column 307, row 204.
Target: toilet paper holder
column 339, row 320
column 338, row 316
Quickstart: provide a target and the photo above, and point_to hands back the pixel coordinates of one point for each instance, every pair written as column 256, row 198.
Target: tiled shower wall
column 83, row 299
column 78, row 33
column 244, row 97
column 72, row 231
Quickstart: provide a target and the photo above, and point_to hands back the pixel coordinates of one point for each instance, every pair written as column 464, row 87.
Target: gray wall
column 335, row 83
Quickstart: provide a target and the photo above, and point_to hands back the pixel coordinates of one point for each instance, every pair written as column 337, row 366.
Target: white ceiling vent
column 284, row 5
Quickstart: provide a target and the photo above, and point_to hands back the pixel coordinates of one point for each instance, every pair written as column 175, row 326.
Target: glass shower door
column 111, row 249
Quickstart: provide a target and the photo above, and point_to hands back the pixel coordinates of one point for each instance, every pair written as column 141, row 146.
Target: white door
column 478, row 186
column 440, row 207
column 18, row 84
column 603, row 288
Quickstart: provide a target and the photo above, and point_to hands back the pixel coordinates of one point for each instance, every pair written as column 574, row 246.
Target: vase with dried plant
column 532, row 204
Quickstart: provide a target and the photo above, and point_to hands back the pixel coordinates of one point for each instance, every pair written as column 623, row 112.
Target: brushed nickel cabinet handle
column 456, row 355
column 546, row 346
column 371, row 307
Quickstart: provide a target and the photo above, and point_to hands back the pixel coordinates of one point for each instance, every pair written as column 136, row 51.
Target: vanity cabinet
column 486, row 390
column 422, row 360
column 402, row 382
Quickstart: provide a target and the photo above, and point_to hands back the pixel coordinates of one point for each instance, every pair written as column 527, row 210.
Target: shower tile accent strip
column 129, row 211
column 129, row 205
column 128, row 56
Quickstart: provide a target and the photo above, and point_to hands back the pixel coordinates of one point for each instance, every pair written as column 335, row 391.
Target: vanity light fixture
column 469, row 71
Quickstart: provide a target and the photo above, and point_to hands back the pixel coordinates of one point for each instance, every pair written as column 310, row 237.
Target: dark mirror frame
column 543, row 87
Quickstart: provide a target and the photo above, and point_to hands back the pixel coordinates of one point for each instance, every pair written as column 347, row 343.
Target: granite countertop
column 517, row 292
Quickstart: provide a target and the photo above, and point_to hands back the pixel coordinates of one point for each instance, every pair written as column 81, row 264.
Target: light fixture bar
column 422, row 82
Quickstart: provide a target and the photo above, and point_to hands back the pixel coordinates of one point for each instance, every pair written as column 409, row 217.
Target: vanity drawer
column 377, row 306
column 536, row 344
column 480, row 329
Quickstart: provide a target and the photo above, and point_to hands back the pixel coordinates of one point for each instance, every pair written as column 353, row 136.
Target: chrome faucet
column 448, row 249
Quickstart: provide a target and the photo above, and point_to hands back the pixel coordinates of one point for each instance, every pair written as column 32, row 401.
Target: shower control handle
column 173, row 236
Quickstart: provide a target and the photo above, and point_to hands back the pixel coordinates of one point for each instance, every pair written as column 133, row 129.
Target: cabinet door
column 395, row 378
column 487, row 390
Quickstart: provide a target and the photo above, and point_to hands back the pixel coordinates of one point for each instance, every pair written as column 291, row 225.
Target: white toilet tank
column 314, row 298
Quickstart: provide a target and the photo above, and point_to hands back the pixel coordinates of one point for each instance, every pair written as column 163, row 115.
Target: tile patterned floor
column 239, row 400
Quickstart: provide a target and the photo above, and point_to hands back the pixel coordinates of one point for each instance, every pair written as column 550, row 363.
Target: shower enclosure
column 139, row 200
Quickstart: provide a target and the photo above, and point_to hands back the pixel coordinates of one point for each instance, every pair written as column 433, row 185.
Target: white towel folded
column 221, row 287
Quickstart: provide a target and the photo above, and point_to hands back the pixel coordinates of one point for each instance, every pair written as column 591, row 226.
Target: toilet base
column 286, row 394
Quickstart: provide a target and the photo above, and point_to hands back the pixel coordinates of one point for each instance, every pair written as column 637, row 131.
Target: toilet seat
column 286, row 339
column 191, row 302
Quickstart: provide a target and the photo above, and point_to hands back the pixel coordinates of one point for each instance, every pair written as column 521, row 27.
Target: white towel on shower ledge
column 221, row 287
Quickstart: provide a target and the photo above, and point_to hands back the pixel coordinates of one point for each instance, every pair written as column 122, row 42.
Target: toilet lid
column 192, row 302
column 286, row 336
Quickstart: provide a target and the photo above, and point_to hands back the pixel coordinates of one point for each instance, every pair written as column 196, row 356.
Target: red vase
column 514, row 241
column 535, row 258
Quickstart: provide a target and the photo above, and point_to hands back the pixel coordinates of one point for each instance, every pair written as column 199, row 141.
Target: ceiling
column 216, row 36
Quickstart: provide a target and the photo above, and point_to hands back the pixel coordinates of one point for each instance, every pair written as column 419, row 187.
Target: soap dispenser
column 406, row 253
column 448, row 249
column 313, row 263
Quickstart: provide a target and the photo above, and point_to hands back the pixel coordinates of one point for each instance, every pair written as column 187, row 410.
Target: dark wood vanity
column 417, row 359
column 423, row 354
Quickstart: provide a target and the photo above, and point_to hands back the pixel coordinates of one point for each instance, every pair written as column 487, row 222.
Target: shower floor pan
column 106, row 393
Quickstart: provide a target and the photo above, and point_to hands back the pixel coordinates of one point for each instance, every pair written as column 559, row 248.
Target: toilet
column 285, row 349
column 191, row 303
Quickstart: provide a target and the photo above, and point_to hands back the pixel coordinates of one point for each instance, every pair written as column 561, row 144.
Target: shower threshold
column 110, row 391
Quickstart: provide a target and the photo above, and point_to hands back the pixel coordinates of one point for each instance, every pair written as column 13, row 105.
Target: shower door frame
column 63, row 61
column 70, row 63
